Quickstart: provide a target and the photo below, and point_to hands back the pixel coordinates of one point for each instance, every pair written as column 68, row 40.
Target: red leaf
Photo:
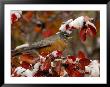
column 72, row 57
column 83, row 34
column 59, row 53
column 44, row 54
column 13, row 18
column 26, row 65
column 84, row 62
column 58, row 67
column 78, row 74
column 46, row 65
column 73, row 72
column 81, row 55
column 28, row 58
column 39, row 74
column 70, row 69
column 93, row 30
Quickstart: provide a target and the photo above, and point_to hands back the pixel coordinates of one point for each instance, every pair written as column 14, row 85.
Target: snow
column 42, row 59
column 52, row 64
column 36, row 66
column 20, row 70
column 28, row 73
column 78, row 22
column 68, row 31
column 93, row 68
column 17, row 13
column 89, row 23
column 54, row 53
column 62, row 28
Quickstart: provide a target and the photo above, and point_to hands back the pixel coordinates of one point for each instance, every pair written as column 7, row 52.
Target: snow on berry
column 71, row 57
column 15, row 15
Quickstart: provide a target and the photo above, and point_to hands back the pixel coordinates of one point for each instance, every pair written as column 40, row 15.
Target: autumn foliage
column 55, row 60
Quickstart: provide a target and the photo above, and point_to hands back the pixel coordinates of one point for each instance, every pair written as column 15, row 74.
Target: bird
column 51, row 48
column 59, row 41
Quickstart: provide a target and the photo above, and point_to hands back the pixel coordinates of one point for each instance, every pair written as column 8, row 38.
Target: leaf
column 46, row 65
column 26, row 65
column 15, row 62
column 78, row 74
column 82, row 34
column 28, row 58
column 13, row 18
column 58, row 67
column 70, row 69
column 84, row 62
column 72, row 57
column 44, row 53
column 59, row 53
column 81, row 55
column 93, row 30
column 39, row 74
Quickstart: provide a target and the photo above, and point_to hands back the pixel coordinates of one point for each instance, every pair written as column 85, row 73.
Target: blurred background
column 37, row 25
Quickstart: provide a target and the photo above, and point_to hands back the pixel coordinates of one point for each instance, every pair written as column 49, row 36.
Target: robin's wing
column 36, row 45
